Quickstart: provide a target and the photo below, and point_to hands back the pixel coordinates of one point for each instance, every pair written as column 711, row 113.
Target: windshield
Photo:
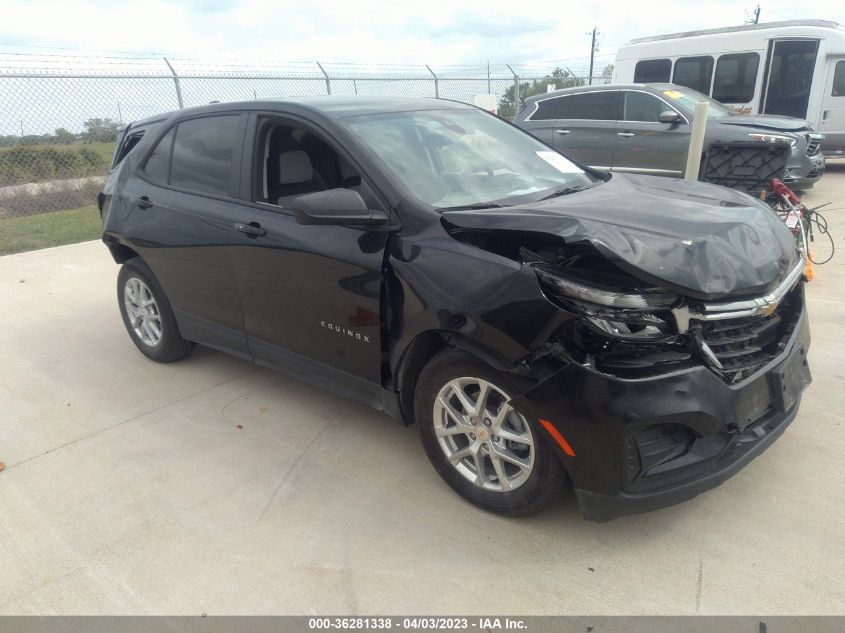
column 458, row 158
column 687, row 98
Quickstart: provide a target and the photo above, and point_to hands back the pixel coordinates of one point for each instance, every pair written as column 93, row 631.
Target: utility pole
column 593, row 49
column 755, row 16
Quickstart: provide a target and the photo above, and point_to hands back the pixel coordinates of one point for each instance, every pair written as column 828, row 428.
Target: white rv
column 794, row 68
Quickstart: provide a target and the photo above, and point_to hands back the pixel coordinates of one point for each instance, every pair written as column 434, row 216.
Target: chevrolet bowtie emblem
column 768, row 309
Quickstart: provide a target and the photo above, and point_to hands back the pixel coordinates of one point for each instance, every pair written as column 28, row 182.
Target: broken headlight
column 622, row 315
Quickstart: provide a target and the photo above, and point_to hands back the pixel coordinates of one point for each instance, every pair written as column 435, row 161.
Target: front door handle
column 143, row 202
column 561, row 131
column 253, row 229
column 625, row 134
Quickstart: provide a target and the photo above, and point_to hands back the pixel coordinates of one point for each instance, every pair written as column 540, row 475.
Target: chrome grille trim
column 764, row 305
column 814, row 144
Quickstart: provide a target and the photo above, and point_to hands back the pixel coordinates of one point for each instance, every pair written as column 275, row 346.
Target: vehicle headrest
column 295, row 168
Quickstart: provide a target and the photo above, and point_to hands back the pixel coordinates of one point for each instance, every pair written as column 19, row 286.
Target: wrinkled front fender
column 444, row 285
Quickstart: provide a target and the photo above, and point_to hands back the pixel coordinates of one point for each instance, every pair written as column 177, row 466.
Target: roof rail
column 736, row 29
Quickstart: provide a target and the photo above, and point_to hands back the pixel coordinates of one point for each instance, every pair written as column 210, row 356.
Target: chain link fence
column 60, row 114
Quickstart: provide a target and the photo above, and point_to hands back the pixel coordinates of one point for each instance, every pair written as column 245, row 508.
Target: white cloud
column 436, row 32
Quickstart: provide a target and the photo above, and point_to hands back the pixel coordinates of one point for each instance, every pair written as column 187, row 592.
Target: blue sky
column 436, row 32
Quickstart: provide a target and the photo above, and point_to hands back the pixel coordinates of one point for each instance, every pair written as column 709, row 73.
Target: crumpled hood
column 702, row 240
column 766, row 121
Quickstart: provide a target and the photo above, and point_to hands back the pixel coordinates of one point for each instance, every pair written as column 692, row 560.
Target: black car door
column 181, row 220
column 311, row 294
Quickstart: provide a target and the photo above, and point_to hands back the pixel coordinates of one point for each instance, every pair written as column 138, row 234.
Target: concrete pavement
column 214, row 486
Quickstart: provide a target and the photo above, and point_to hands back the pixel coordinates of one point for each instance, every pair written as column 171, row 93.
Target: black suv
column 642, row 338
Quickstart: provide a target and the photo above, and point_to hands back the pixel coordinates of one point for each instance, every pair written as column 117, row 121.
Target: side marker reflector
column 558, row 437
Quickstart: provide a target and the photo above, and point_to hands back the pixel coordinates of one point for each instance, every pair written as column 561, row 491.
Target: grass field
column 39, row 163
column 49, row 229
column 104, row 150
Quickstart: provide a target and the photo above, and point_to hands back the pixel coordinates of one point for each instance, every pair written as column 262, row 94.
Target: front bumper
column 803, row 184
column 804, row 171
column 644, row 444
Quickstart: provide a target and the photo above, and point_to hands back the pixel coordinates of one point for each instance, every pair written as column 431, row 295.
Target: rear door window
column 157, row 166
column 736, row 75
column 551, row 109
column 652, row 71
column 694, row 72
column 204, row 155
column 596, row 106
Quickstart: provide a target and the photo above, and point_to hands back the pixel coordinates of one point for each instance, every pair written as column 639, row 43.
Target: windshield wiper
column 474, row 205
column 563, row 192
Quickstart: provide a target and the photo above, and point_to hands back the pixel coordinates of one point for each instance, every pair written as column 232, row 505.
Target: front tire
column 147, row 314
column 486, row 450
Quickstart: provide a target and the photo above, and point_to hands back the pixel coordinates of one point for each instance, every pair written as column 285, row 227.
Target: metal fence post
column 326, row 75
column 176, row 82
column 110, row 91
column 436, row 83
column 515, row 92
column 489, row 91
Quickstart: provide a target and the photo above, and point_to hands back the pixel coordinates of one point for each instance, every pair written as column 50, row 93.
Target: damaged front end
column 665, row 396
column 621, row 326
column 660, row 394
column 631, row 329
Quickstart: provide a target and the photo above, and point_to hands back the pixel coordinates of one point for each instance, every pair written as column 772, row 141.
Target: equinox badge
column 342, row 330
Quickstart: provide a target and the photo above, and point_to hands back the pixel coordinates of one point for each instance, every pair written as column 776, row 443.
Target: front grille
column 744, row 345
column 813, row 147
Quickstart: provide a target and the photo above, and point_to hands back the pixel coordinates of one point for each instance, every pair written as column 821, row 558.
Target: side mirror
column 669, row 116
column 335, row 206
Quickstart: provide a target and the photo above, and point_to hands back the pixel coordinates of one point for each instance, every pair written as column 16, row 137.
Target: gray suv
column 644, row 128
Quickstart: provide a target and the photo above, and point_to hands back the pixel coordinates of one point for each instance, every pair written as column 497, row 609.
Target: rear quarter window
column 551, row 109
column 128, row 143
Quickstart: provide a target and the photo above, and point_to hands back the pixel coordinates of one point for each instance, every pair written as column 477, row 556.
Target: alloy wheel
column 484, row 438
column 143, row 312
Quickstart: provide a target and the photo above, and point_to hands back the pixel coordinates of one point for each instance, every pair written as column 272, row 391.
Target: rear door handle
column 625, row 134
column 143, row 202
column 561, row 131
column 253, row 229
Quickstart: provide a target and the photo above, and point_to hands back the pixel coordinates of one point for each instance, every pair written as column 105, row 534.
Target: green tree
column 559, row 78
column 100, row 130
column 607, row 73
column 64, row 137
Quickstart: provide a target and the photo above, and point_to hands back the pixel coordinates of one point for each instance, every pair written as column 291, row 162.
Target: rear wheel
column 483, row 447
column 147, row 314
